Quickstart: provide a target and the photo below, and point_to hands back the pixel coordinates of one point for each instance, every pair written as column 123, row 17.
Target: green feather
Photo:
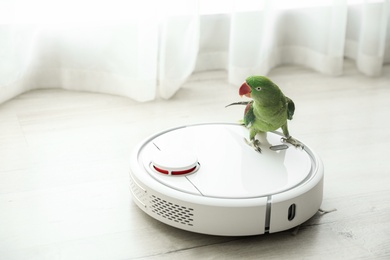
column 290, row 108
column 249, row 116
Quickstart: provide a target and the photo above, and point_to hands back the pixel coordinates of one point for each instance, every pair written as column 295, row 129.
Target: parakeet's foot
column 255, row 144
column 292, row 141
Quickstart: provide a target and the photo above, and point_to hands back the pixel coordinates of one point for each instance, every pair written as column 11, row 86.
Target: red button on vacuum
column 175, row 162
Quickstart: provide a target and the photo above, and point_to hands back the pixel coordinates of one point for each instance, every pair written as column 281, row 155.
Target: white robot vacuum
column 205, row 178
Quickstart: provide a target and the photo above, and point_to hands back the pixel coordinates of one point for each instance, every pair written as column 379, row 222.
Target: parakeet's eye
column 258, row 88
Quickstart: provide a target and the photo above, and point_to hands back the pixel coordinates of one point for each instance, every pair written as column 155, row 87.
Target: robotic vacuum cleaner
column 206, row 178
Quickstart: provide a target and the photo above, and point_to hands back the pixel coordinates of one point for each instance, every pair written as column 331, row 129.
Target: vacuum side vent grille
column 171, row 211
column 138, row 192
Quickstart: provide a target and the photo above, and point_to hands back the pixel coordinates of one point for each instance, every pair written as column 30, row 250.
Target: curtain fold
column 178, row 52
column 16, row 44
column 148, row 50
column 371, row 46
column 313, row 37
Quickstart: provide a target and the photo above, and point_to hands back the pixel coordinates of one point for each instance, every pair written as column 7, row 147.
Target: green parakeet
column 268, row 110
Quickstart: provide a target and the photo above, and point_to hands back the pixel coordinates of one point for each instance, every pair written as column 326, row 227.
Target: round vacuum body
column 208, row 179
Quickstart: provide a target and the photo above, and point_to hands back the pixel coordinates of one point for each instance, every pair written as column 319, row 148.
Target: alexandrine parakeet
column 268, row 110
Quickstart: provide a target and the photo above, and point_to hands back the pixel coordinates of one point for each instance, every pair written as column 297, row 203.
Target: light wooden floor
column 64, row 163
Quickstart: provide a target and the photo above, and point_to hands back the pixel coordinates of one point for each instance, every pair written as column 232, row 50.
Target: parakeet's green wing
column 249, row 116
column 290, row 108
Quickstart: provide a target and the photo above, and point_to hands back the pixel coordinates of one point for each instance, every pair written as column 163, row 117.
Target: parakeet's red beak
column 244, row 90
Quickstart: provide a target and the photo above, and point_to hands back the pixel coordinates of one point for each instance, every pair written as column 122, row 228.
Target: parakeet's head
column 259, row 88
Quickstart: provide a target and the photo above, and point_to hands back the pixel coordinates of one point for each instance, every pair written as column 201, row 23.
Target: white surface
column 64, row 171
column 229, row 168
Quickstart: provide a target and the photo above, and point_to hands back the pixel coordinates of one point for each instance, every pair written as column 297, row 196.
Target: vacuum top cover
column 218, row 161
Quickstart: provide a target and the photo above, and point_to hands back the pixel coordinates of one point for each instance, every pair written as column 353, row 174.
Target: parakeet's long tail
column 238, row 103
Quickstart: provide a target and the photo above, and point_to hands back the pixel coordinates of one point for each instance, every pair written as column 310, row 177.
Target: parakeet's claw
column 292, row 141
column 255, row 144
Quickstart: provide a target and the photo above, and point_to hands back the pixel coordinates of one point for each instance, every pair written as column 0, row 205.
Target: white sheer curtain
column 312, row 36
column 143, row 50
column 317, row 34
